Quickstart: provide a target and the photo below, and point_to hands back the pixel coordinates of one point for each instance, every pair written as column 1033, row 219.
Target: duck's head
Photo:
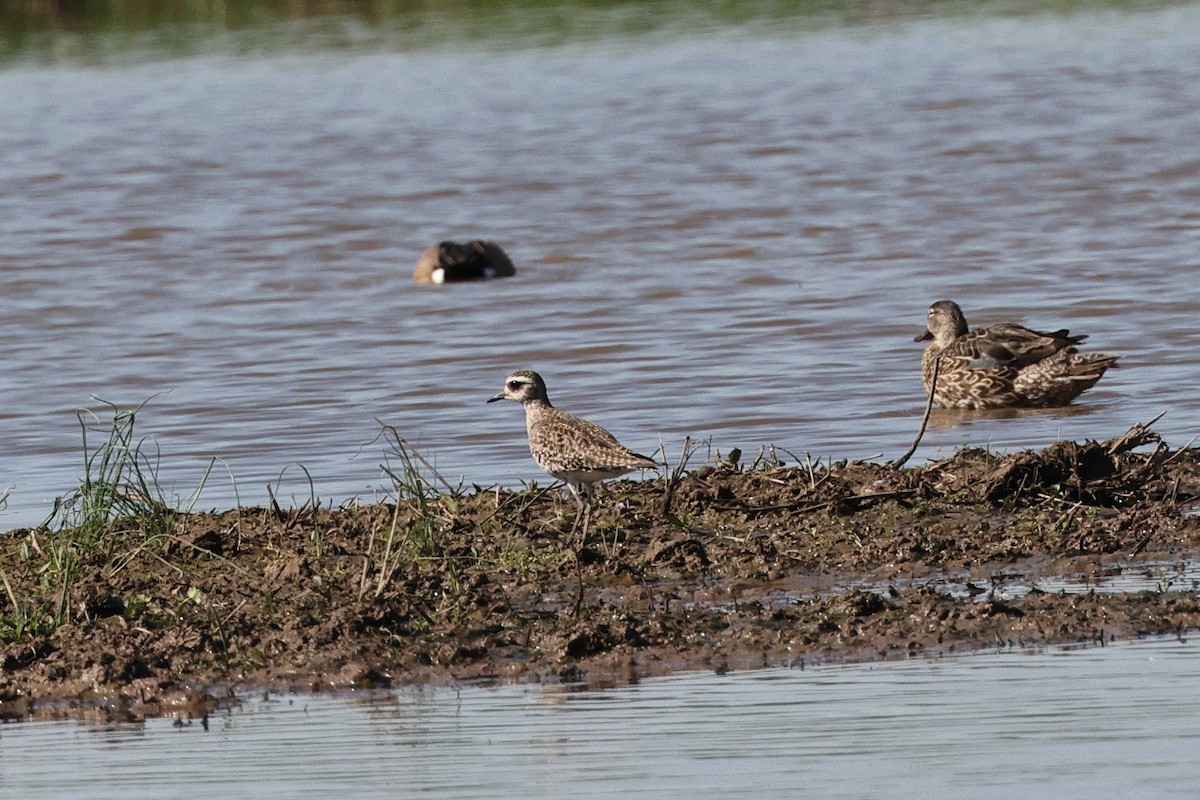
column 944, row 323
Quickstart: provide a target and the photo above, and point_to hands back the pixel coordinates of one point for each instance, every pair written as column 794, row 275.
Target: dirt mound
column 724, row 567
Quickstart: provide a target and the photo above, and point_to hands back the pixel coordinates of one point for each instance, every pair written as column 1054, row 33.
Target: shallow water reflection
column 1121, row 721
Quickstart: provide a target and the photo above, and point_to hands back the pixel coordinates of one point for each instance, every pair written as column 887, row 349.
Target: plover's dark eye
column 513, row 386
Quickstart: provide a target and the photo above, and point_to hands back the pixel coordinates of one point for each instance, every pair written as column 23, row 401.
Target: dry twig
column 899, row 462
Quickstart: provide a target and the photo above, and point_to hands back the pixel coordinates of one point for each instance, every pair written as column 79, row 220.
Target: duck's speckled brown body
column 1006, row 365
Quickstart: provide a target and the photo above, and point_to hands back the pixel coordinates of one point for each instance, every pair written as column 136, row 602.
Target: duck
column 1006, row 365
column 454, row 262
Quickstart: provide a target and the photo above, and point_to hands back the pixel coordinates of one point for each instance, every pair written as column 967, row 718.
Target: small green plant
column 101, row 527
column 1165, row 582
column 313, row 503
column 120, row 481
column 24, row 619
column 415, row 529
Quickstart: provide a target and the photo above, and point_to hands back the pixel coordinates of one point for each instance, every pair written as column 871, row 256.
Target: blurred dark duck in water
column 1005, row 365
column 452, row 262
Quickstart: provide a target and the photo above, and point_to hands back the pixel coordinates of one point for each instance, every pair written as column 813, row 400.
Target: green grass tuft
column 97, row 529
column 120, row 482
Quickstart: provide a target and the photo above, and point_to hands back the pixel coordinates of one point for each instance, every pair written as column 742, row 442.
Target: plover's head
column 523, row 386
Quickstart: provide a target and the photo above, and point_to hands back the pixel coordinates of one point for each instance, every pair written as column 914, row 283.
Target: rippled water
column 1121, row 721
column 731, row 235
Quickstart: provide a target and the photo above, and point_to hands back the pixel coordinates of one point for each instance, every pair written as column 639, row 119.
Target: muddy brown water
column 730, row 236
column 1120, row 721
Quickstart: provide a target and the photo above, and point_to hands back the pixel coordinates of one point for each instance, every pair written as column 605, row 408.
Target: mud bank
column 728, row 566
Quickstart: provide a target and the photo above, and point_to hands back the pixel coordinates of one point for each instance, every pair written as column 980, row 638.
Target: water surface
column 728, row 234
column 1121, row 721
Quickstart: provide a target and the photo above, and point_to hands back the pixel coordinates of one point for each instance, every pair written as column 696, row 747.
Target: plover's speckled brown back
column 1006, row 365
column 571, row 449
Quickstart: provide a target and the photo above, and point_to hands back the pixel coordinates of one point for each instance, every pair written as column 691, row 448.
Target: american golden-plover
column 576, row 451
column 452, row 262
column 1005, row 365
